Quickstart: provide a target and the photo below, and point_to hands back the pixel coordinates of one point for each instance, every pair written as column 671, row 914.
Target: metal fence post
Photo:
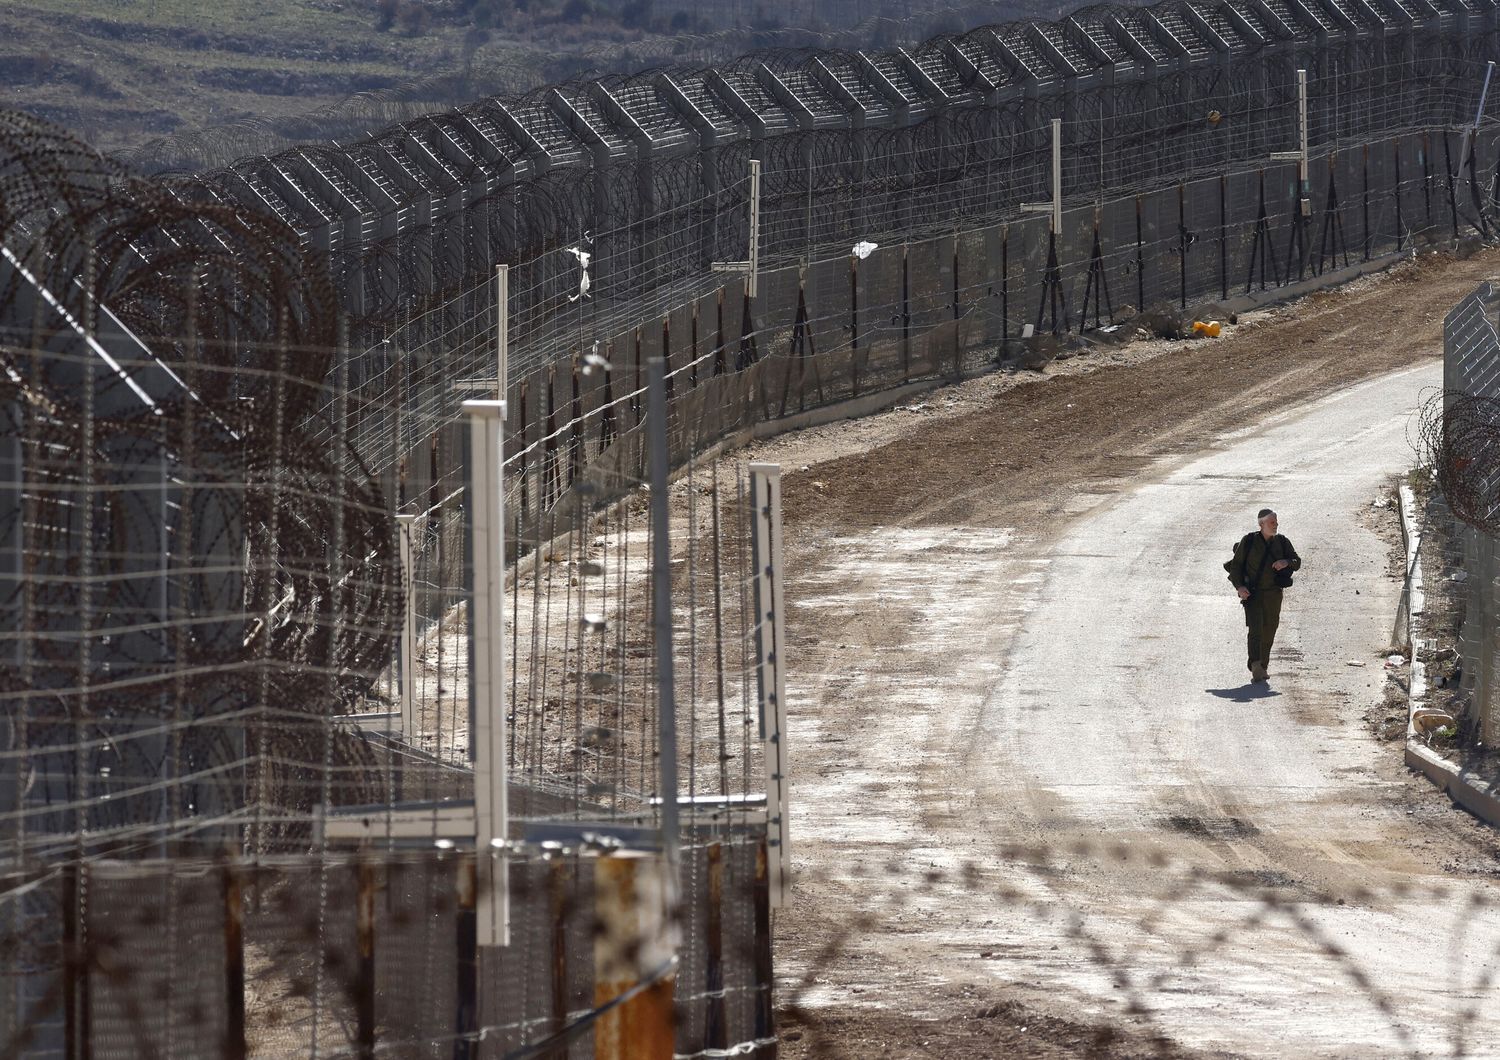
column 502, row 332
column 751, row 266
column 633, row 949
column 661, row 587
column 408, row 632
column 487, row 670
column 770, row 646
column 234, row 1045
column 364, row 975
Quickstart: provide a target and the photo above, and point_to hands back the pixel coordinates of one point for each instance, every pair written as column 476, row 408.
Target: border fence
column 917, row 216
column 214, row 838
column 1463, row 459
column 254, row 523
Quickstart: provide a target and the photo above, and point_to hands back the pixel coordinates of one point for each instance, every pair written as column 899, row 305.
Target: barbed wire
column 1458, row 437
column 149, row 391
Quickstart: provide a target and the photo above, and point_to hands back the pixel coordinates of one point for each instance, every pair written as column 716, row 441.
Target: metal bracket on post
column 750, row 268
column 770, row 647
column 408, row 632
column 502, row 331
column 1299, row 156
column 487, row 670
column 1054, row 208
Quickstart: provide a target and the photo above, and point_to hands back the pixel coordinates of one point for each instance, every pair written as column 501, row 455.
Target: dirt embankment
column 1006, row 454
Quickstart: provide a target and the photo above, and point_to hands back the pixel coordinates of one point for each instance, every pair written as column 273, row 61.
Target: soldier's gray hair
column 1263, row 513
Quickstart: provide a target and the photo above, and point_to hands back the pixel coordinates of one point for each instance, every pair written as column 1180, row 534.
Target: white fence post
column 770, row 646
column 487, row 726
column 408, row 632
column 1304, row 190
column 751, row 266
column 1053, row 207
column 752, row 284
column 502, row 331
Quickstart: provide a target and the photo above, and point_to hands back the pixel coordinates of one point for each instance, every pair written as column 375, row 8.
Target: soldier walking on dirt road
column 1259, row 570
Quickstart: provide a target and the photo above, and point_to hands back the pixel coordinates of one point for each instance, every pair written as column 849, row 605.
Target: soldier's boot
column 1258, row 672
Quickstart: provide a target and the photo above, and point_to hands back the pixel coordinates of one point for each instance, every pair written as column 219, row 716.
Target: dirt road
column 1038, row 811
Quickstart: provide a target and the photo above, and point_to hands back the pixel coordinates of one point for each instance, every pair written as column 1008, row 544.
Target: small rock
column 1354, row 662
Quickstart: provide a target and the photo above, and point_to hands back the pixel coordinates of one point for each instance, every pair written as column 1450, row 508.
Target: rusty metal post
column 466, row 1009
column 765, row 1009
column 557, row 886
column 364, row 978
column 70, row 966
column 234, row 962
column 716, row 1024
column 632, row 952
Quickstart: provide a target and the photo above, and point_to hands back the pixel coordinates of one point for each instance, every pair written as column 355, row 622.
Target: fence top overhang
column 666, row 112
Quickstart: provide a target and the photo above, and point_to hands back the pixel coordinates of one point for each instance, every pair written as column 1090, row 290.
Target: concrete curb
column 1415, row 599
column 1455, row 781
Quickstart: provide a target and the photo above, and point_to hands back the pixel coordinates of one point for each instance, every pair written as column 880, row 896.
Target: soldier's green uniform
column 1252, row 554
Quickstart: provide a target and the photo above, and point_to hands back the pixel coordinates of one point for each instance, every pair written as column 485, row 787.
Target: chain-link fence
column 1464, row 428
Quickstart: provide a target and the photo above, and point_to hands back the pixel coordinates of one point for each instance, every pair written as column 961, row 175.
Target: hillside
column 126, row 73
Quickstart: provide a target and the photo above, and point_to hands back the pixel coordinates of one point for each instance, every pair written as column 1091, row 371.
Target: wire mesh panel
column 158, row 968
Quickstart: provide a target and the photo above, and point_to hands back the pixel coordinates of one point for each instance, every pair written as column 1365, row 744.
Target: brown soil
column 1021, row 457
column 992, row 1031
